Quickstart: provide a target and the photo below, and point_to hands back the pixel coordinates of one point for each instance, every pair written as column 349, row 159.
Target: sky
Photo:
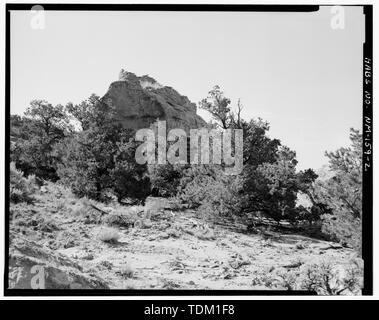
column 292, row 69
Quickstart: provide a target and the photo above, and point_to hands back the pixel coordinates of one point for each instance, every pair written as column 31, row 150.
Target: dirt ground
column 172, row 250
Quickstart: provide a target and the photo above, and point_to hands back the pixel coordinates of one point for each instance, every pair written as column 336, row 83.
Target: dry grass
column 126, row 272
column 110, row 235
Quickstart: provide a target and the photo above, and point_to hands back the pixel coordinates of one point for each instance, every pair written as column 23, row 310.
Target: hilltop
column 140, row 101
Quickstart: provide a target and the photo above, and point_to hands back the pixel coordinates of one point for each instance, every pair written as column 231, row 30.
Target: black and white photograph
column 168, row 149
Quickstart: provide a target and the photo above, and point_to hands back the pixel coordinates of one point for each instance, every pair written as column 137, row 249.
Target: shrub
column 126, row 272
column 165, row 179
column 34, row 137
column 328, row 279
column 124, row 218
column 21, row 188
column 324, row 278
column 110, row 235
column 130, row 180
column 287, row 279
column 211, row 191
column 343, row 228
column 98, row 161
column 342, row 193
column 80, row 168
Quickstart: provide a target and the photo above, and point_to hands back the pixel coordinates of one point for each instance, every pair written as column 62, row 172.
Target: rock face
column 140, row 101
column 30, row 262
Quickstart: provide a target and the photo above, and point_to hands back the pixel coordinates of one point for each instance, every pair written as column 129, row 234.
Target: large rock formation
column 140, row 101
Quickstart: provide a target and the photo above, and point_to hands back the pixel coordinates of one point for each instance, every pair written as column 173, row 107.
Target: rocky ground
column 154, row 247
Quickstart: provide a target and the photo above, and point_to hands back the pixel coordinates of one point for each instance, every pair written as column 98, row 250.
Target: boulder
column 32, row 266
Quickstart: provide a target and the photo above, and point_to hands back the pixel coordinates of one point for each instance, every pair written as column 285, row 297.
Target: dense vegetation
column 84, row 148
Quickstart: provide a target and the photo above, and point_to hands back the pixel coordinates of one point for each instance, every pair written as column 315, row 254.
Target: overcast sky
column 291, row 69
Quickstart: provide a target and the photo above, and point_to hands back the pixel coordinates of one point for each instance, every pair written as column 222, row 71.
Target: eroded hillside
column 86, row 244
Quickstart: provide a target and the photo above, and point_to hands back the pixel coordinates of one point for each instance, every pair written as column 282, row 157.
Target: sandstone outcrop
column 140, row 101
column 31, row 263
